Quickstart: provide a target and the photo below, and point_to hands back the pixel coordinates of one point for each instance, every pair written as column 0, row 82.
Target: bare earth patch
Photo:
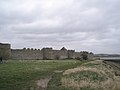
column 58, row 71
column 42, row 83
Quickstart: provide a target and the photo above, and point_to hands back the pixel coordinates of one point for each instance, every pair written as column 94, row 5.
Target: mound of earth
column 94, row 75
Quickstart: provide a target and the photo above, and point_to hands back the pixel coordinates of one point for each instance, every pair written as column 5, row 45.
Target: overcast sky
column 92, row 25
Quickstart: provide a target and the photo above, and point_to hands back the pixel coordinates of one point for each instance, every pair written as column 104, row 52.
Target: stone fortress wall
column 37, row 54
column 5, row 51
column 45, row 53
column 26, row 54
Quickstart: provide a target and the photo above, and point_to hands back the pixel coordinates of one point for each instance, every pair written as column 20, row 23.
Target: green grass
column 21, row 75
column 90, row 65
column 84, row 75
column 55, row 83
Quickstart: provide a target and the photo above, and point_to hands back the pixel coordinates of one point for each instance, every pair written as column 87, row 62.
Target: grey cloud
column 77, row 24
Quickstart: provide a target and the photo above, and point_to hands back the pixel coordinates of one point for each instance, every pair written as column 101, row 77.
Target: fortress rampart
column 36, row 54
column 26, row 54
column 5, row 51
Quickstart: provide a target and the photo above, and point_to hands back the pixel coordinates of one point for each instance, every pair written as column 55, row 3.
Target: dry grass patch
column 93, row 75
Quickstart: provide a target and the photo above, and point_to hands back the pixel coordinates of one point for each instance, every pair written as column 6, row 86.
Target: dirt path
column 42, row 83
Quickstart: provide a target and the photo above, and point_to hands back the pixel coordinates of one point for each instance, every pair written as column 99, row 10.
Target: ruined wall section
column 91, row 56
column 77, row 55
column 26, row 54
column 71, row 54
column 5, row 51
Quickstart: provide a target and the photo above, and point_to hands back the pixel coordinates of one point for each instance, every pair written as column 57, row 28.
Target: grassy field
column 93, row 75
column 65, row 75
column 21, row 75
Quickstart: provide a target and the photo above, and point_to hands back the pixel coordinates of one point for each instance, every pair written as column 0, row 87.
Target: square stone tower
column 47, row 53
column 5, row 51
